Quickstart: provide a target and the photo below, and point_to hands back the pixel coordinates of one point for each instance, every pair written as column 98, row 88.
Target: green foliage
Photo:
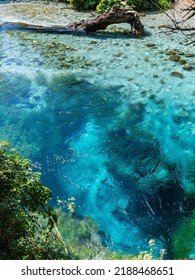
column 84, row 4
column 184, row 239
column 27, row 222
column 106, row 5
column 81, row 236
column 164, row 4
column 31, row 229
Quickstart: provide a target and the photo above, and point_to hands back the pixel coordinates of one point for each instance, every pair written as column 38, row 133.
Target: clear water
column 104, row 120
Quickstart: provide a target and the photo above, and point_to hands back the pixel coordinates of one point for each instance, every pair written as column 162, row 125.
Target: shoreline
column 58, row 15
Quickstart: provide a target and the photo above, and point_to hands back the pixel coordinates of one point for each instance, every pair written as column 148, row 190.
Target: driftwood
column 116, row 15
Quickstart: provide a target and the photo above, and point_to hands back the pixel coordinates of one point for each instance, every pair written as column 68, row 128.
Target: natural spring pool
column 108, row 119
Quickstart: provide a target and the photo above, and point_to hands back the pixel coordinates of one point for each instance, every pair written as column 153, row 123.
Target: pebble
column 115, row 44
column 171, row 52
column 174, row 57
column 177, row 74
column 117, row 54
column 93, row 42
column 150, row 45
column 189, row 54
column 182, row 61
column 187, row 67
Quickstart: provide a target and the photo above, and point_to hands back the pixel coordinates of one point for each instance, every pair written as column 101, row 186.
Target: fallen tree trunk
column 116, row 15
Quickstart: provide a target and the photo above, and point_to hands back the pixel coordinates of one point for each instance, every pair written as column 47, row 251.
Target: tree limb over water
column 181, row 21
column 116, row 15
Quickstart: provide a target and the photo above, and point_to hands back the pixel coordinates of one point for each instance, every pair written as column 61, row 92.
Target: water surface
column 105, row 120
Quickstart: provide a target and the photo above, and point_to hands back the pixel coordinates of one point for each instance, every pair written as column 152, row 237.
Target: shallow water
column 104, row 120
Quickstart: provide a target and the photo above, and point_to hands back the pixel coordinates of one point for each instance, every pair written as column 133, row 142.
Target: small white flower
column 151, row 242
column 162, row 253
column 147, row 257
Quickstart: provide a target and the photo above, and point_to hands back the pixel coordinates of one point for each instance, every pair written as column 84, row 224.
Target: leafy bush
column 164, row 4
column 105, row 5
column 84, row 4
column 27, row 222
column 81, row 235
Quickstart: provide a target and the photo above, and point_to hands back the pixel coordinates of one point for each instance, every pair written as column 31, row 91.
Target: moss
column 184, row 239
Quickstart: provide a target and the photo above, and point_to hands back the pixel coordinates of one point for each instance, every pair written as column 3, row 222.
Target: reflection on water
column 106, row 122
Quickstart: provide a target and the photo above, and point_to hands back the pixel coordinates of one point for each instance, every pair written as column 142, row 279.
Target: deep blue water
column 107, row 124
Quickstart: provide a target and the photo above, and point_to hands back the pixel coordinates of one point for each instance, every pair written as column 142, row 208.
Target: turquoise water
column 104, row 120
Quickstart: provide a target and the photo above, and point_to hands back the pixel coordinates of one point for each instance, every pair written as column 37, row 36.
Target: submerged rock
column 177, row 74
column 182, row 61
column 175, row 52
column 189, row 54
column 150, row 45
column 115, row 43
column 93, row 42
column 171, row 52
column 117, row 54
column 187, row 67
column 174, row 57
